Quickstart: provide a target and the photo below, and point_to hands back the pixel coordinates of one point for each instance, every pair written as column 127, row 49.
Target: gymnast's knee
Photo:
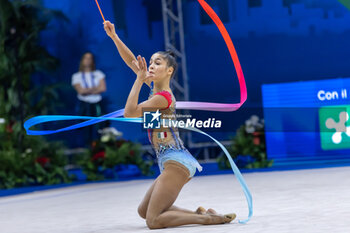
column 142, row 211
column 154, row 223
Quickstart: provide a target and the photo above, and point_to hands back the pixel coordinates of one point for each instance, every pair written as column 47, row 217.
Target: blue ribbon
column 115, row 116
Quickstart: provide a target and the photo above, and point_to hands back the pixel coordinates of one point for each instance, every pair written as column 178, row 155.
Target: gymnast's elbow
column 130, row 114
column 126, row 114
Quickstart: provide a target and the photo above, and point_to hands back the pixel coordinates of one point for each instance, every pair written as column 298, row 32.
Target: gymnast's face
column 158, row 68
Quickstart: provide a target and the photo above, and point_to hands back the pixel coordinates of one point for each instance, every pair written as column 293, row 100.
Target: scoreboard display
column 307, row 119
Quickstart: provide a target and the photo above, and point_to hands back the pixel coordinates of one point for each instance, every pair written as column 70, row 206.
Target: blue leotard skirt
column 182, row 156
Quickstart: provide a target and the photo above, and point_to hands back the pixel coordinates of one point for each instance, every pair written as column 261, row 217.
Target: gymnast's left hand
column 142, row 73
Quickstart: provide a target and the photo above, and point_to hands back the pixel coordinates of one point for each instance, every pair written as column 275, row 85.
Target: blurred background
column 294, row 55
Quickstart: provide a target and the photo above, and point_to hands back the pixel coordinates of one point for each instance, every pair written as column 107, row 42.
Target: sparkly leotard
column 166, row 141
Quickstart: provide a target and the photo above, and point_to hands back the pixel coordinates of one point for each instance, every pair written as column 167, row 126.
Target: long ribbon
column 114, row 117
column 209, row 106
column 117, row 115
column 218, row 106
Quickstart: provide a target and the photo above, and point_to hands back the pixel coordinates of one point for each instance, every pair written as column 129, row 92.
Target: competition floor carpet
column 314, row 200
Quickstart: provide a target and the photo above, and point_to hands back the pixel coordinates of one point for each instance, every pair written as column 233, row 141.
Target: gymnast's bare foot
column 220, row 219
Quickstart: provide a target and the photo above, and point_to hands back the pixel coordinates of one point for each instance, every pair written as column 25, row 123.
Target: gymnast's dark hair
column 170, row 57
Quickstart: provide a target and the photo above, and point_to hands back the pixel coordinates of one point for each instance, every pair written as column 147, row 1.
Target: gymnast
column 176, row 164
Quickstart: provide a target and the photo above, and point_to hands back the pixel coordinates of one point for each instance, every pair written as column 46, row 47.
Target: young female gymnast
column 175, row 162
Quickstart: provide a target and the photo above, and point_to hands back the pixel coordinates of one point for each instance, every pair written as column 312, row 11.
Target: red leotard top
column 165, row 138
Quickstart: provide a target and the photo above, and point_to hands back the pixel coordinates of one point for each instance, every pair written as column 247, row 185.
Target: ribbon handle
column 99, row 8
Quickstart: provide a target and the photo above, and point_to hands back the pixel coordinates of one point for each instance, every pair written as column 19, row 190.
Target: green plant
column 26, row 160
column 109, row 152
column 21, row 56
column 248, row 147
column 40, row 163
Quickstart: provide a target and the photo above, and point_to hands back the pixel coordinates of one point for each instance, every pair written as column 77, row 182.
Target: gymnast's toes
column 229, row 217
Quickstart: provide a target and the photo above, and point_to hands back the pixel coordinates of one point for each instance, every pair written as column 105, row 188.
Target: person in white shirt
column 89, row 84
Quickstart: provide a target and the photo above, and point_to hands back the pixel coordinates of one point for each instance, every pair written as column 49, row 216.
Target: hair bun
column 171, row 53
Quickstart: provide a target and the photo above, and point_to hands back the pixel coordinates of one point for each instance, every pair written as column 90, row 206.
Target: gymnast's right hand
column 110, row 29
column 142, row 74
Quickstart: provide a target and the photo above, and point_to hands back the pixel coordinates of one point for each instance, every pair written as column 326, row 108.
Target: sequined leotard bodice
column 165, row 138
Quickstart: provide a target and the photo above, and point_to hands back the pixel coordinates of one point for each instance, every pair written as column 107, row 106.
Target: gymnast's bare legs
column 157, row 206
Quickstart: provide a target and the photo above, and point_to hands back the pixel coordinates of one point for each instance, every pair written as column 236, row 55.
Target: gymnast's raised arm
column 123, row 50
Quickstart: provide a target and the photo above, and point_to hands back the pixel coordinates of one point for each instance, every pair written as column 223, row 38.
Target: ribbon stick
column 98, row 5
column 206, row 106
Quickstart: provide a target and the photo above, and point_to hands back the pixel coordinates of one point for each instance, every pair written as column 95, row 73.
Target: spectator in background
column 89, row 84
